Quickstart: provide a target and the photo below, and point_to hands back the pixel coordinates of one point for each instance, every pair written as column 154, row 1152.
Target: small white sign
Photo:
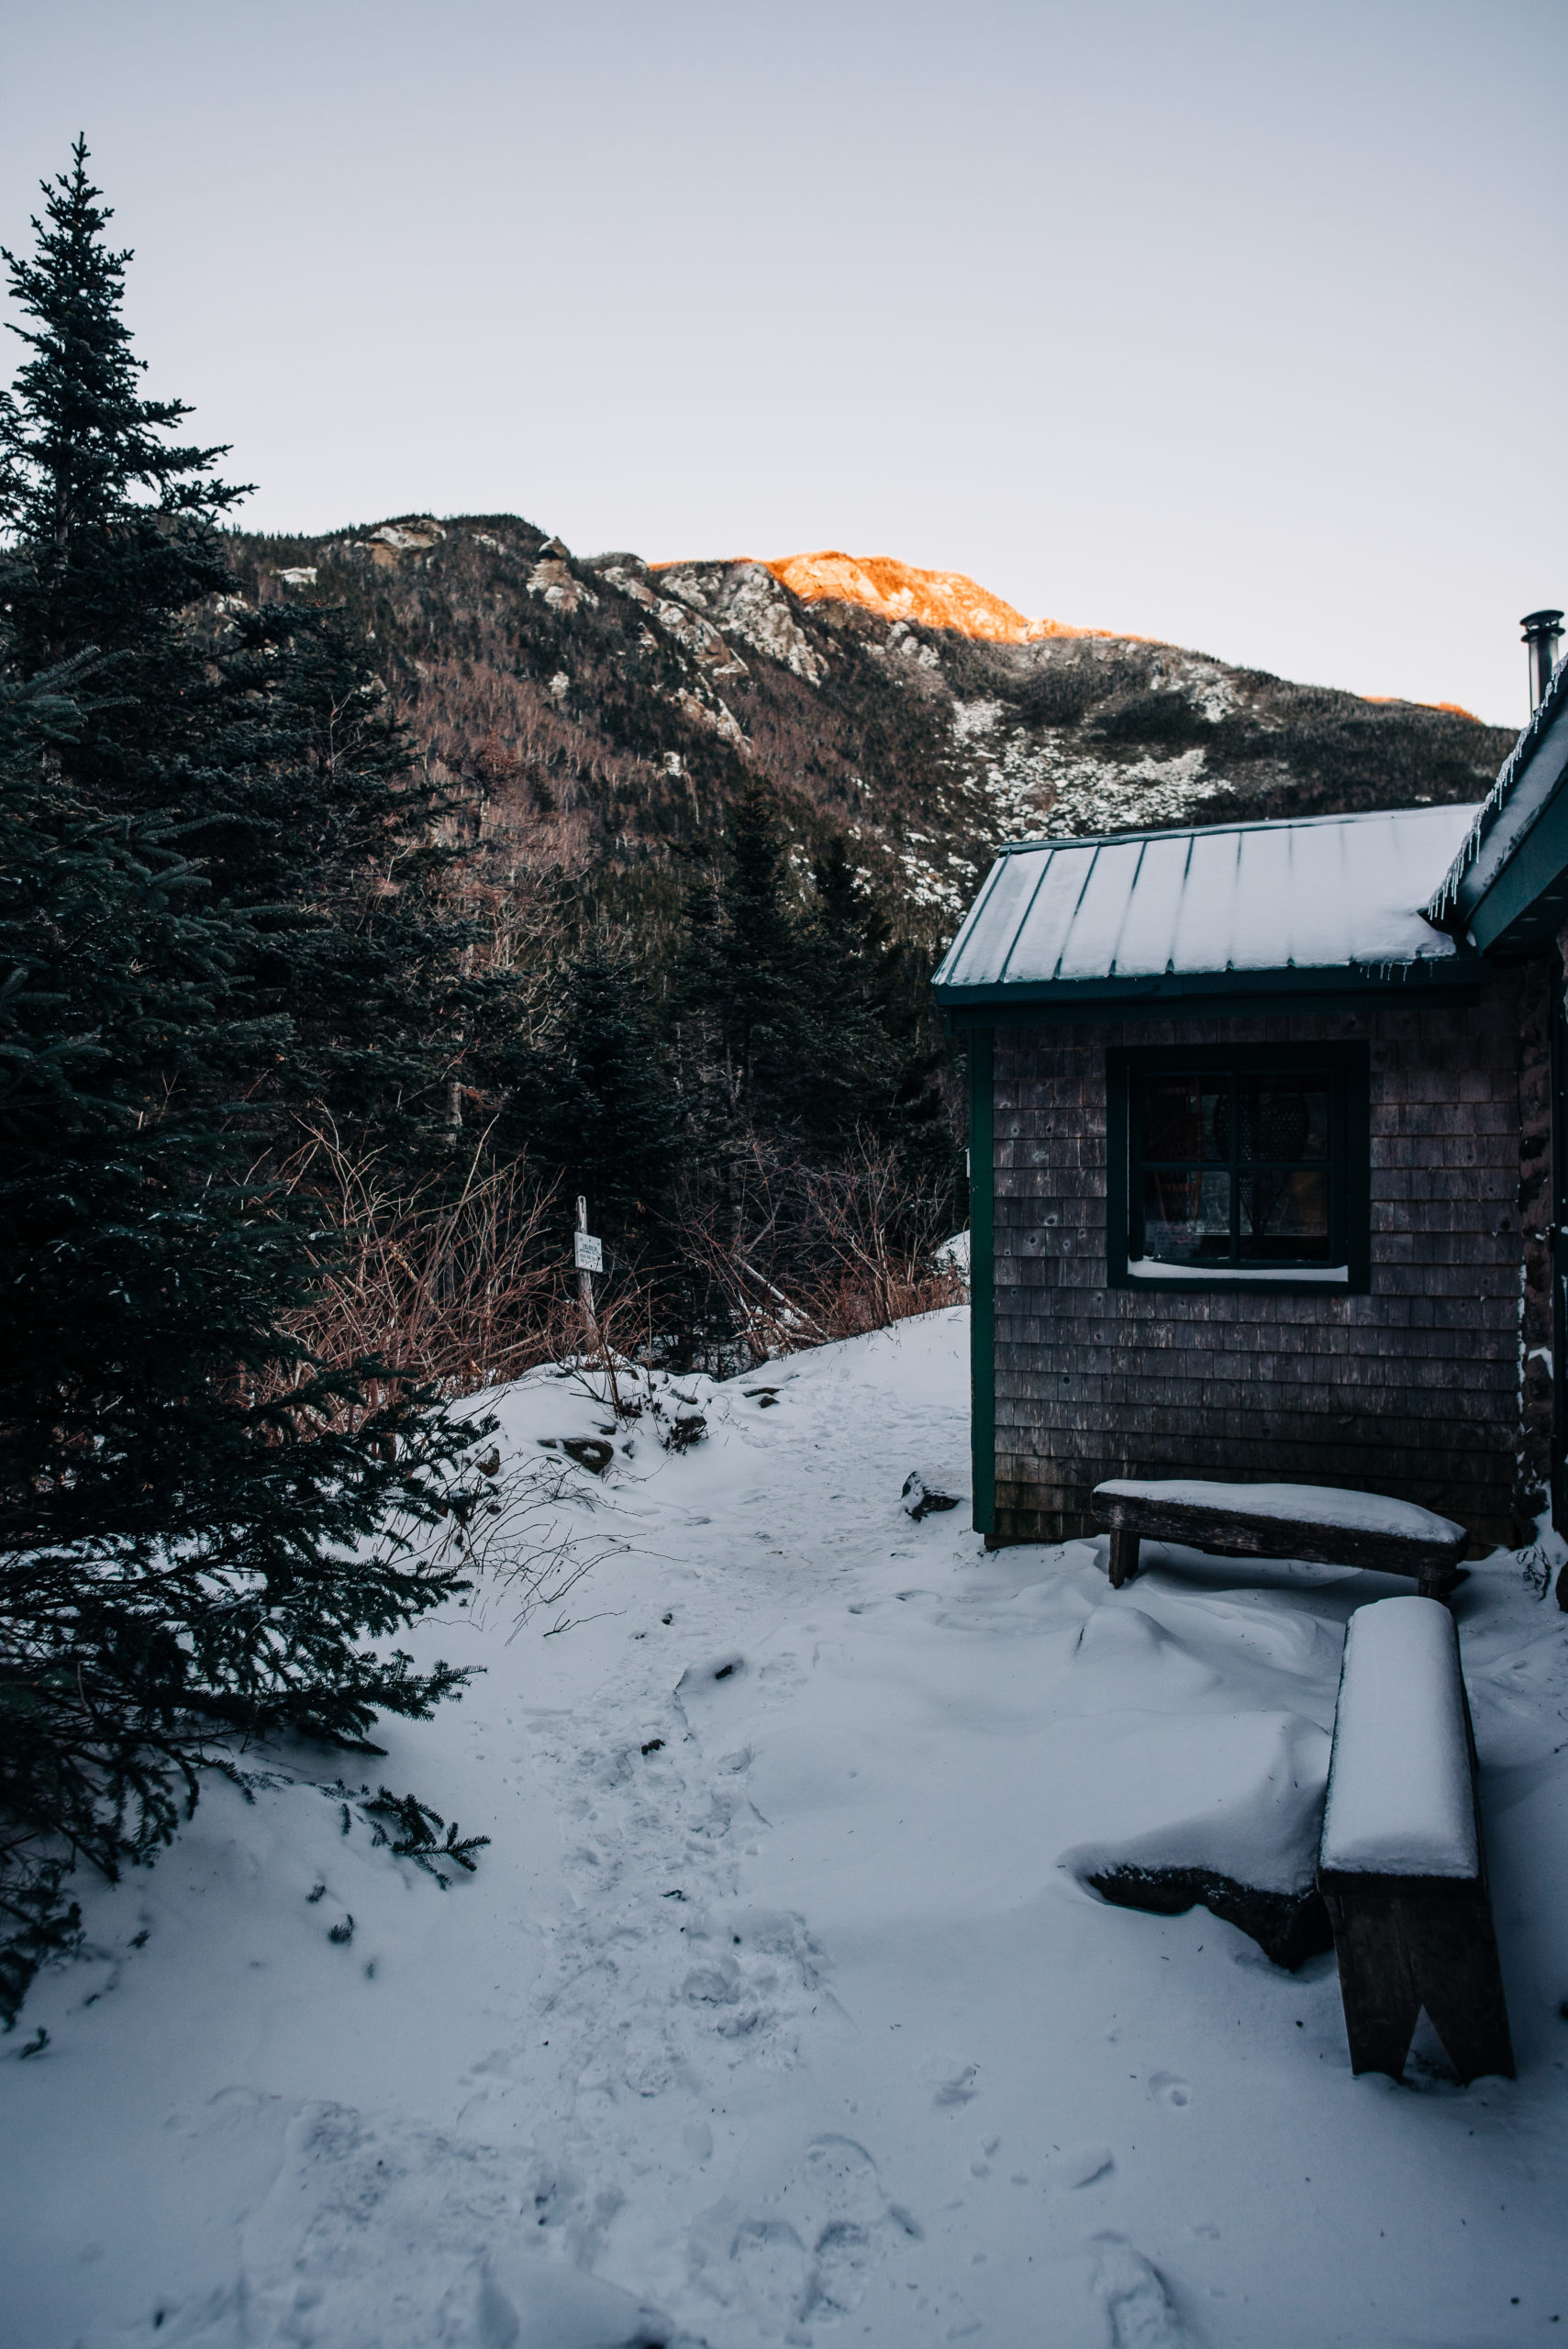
column 588, row 1251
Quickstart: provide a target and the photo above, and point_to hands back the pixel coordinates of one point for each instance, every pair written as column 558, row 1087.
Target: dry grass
column 452, row 1288
column 463, row 1287
column 819, row 1255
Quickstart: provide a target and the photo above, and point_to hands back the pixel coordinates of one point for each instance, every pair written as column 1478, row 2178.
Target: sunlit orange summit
column 896, row 591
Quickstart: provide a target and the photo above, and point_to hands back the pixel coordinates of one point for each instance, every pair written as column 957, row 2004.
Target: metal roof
column 1317, row 893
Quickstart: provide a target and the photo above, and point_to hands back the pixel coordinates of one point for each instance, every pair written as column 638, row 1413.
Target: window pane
column 1186, row 1217
column 1180, row 1118
column 1283, row 1118
column 1285, row 1217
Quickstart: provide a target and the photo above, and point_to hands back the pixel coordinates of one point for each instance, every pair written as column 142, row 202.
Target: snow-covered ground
column 771, row 2013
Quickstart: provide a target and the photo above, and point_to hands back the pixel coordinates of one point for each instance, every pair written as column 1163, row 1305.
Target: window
column 1232, row 1164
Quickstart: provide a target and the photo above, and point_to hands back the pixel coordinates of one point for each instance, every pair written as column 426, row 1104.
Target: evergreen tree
column 853, row 963
column 597, row 1108
column 261, row 737
column 193, row 1517
column 746, row 982
column 110, row 525
column 879, row 1051
column 315, row 814
column 812, row 1063
column 807, row 1022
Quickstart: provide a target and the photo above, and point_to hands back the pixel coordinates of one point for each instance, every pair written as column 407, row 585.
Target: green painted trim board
column 1223, row 994
column 1534, row 872
column 982, row 1278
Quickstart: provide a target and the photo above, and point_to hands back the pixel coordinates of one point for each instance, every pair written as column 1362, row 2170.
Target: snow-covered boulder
column 1222, row 1809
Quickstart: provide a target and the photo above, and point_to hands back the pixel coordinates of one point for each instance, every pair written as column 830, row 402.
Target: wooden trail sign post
column 589, row 1256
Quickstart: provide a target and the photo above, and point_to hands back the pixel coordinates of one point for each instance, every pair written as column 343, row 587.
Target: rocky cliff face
column 935, row 599
column 593, row 716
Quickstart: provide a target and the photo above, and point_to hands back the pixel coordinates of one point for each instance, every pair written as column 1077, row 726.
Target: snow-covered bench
column 1317, row 1523
column 1400, row 1868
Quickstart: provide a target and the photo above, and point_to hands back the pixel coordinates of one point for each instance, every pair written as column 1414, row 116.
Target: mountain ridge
column 896, row 590
column 592, row 717
column 948, row 599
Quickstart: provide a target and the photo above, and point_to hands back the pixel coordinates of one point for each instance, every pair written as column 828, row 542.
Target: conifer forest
column 297, row 1106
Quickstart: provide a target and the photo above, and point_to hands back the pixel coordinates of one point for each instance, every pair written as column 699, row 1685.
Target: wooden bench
column 1316, row 1523
column 1401, row 1867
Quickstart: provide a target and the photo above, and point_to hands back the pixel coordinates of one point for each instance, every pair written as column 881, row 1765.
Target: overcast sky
column 1237, row 325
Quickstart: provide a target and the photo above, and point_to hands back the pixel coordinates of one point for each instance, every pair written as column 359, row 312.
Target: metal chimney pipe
column 1544, row 632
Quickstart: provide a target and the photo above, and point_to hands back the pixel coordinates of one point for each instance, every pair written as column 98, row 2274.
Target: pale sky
column 1234, row 323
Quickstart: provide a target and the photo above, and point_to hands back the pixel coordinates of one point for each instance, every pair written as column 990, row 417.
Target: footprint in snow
column 1169, row 2089
column 807, row 2251
column 950, row 2081
column 1134, row 2297
column 1075, row 2166
column 375, row 2230
column 704, row 1679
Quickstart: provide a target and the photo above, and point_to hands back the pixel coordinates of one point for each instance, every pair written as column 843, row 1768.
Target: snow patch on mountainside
column 1092, row 797
column 1034, row 784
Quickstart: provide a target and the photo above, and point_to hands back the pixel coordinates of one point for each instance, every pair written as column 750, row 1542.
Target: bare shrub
column 512, row 1526
column 805, row 1255
column 460, row 1287
column 448, row 1285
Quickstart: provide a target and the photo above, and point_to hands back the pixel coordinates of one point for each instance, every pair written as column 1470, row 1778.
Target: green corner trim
column 982, row 1279
column 1527, row 903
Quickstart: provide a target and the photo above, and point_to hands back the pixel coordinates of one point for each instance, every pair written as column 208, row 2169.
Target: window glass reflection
column 1186, row 1217
column 1235, row 1166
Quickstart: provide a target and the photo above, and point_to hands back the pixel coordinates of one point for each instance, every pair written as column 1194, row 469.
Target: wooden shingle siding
column 1414, row 1389
column 1535, row 1214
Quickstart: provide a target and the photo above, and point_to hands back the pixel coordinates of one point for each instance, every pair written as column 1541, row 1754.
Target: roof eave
column 1517, row 900
column 1447, row 978
column 1511, row 809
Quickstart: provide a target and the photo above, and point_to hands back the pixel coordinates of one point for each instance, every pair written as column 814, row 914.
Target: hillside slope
column 596, row 713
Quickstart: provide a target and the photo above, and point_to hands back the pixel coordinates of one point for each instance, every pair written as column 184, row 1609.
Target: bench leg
column 1124, row 1557
column 1396, row 1956
column 1379, row 1997
column 1453, row 1959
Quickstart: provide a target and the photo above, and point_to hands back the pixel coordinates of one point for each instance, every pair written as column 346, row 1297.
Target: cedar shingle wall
column 1413, row 1390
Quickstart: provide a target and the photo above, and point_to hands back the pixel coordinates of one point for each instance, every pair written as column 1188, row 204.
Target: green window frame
column 1247, row 1159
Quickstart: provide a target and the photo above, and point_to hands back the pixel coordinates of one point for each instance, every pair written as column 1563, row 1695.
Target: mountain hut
column 1266, row 1134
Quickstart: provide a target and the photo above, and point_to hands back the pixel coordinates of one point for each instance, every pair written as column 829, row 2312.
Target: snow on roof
column 1312, row 892
column 1524, row 783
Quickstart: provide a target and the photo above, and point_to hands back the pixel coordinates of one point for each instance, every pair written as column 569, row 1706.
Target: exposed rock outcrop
column 897, row 591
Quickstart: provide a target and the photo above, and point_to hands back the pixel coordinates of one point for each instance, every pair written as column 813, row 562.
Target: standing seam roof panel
column 1148, row 937
column 1206, row 925
column 1318, row 892
column 1268, row 913
column 980, row 952
column 1110, row 892
column 1054, row 914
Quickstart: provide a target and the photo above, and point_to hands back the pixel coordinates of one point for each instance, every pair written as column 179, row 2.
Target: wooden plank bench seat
column 1401, row 1867
column 1319, row 1524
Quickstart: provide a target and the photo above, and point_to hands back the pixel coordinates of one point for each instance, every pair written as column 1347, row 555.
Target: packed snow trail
column 777, row 2011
